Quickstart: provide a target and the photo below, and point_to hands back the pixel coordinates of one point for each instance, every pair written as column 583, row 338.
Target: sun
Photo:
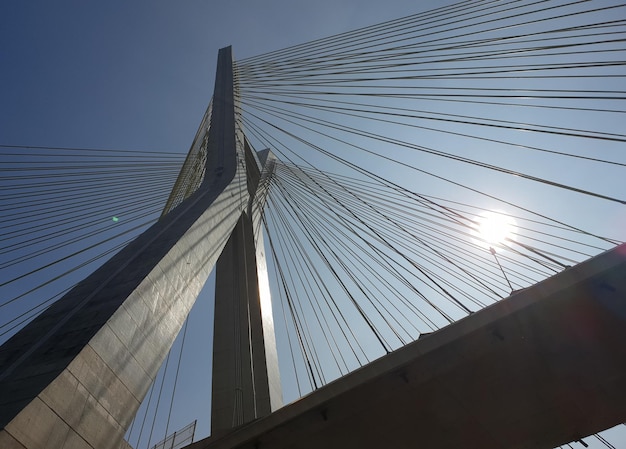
column 493, row 228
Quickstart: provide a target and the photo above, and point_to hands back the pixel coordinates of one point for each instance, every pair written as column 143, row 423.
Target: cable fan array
column 396, row 140
column 67, row 210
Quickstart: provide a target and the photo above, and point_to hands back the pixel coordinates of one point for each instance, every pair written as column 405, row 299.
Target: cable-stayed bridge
column 392, row 144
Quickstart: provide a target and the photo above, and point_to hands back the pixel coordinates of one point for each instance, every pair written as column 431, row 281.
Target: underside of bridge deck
column 543, row 367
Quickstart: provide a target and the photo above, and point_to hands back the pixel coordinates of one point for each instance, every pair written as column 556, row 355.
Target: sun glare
column 493, row 228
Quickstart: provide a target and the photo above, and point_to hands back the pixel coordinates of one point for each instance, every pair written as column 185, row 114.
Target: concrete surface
column 246, row 379
column 75, row 376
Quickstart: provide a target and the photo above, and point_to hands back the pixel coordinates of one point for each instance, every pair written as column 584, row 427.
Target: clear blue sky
column 138, row 75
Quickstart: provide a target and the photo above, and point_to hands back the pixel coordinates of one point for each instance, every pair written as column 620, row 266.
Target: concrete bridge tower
column 76, row 375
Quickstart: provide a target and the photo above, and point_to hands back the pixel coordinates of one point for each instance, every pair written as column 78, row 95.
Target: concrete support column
column 240, row 386
column 246, row 381
column 75, row 376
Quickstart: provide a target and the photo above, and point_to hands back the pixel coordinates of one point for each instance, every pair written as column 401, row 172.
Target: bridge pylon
column 75, row 376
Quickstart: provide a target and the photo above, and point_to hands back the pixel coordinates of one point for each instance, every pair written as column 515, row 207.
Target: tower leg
column 75, row 376
column 246, row 381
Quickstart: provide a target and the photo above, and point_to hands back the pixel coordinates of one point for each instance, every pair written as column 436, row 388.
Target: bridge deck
column 543, row 367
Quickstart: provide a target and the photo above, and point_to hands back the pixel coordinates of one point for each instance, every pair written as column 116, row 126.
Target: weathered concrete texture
column 8, row 442
column 246, row 381
column 76, row 375
column 539, row 369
